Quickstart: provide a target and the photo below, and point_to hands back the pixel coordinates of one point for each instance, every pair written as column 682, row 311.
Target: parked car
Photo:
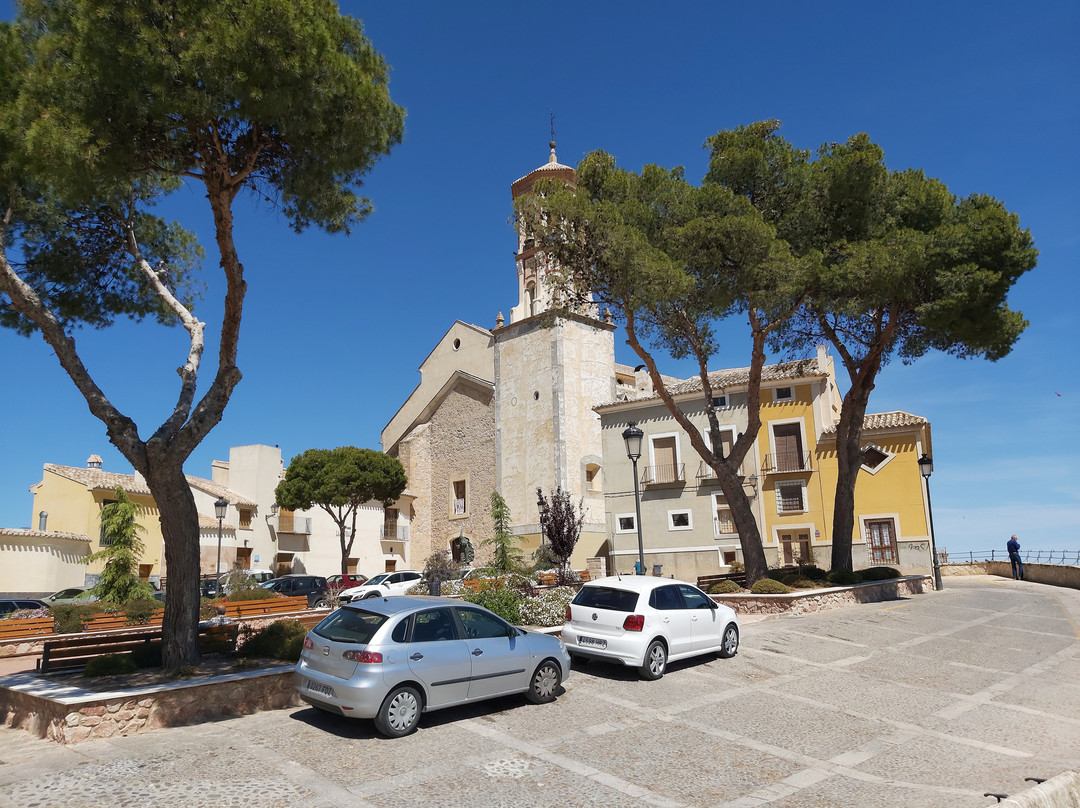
column 345, row 581
column 313, row 586
column 393, row 659
column 19, row 604
column 645, row 622
column 389, row 583
column 73, row 594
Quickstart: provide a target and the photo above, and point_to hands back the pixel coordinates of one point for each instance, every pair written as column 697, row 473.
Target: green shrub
column 110, row 665
column 281, row 640
column 68, row 617
column 547, row 608
column 250, row 593
column 724, row 588
column 796, row 581
column 140, row 610
column 813, row 573
column 779, row 575
column 843, row 578
column 879, row 573
column 147, row 655
column 503, row 600
column 736, row 566
column 769, row 586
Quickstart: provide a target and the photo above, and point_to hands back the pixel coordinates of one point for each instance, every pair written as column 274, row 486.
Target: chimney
column 140, row 481
column 642, row 380
column 823, row 359
column 94, row 462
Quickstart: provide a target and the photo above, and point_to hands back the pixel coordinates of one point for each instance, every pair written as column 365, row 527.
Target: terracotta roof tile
column 99, row 480
column 734, row 377
column 885, row 420
column 42, row 534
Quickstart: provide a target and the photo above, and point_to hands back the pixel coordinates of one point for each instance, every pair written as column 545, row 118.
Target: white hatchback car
column 389, row 583
column 645, row 622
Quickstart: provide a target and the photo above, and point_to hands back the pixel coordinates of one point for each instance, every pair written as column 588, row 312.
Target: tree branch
column 189, row 371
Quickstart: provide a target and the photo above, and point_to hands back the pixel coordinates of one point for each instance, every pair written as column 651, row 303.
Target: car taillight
column 634, row 622
column 308, row 644
column 569, row 617
column 367, row 657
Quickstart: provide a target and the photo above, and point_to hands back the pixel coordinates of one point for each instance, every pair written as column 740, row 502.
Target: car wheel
column 729, row 643
column 399, row 713
column 371, row 595
column 545, row 681
column 578, row 659
column 655, row 661
column 322, row 603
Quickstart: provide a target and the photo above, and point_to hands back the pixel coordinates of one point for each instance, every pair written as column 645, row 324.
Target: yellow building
column 789, row 475
column 69, row 499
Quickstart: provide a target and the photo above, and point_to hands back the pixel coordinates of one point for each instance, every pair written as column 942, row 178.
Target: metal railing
column 786, row 461
column 658, row 475
column 396, row 532
column 1071, row 557
column 719, row 528
column 707, row 474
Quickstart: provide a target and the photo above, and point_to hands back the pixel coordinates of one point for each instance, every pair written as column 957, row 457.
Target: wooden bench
column 73, row 651
column 256, row 608
column 705, row 581
column 547, row 579
column 31, row 627
column 583, row 575
column 116, row 620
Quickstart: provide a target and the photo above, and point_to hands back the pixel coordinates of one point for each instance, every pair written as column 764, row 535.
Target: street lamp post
column 926, row 468
column 221, row 505
column 540, row 507
column 632, row 436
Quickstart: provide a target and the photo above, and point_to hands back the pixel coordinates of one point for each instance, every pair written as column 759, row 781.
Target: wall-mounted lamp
column 752, row 482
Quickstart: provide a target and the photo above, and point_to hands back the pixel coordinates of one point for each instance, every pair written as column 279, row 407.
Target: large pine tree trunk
column 848, row 463
column 180, row 530
column 742, row 513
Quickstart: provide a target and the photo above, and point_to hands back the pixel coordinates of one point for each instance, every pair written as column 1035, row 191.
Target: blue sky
column 982, row 95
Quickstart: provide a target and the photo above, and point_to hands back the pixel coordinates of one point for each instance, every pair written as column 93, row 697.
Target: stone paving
column 929, row 701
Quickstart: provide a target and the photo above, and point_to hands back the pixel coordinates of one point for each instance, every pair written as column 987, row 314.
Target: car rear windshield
column 350, row 625
column 605, row 597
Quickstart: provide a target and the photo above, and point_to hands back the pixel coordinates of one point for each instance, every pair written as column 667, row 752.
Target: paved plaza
column 928, row 701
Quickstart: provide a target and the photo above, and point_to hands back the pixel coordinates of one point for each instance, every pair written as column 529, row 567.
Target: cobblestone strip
column 989, row 694
column 574, row 767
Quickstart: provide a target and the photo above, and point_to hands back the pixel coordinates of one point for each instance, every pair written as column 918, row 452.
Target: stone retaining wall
column 1053, row 574
column 71, row 721
column 817, row 600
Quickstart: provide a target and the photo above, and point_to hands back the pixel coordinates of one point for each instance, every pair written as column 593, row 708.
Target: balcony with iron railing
column 394, row 532
column 724, row 528
column 672, row 474
column 288, row 523
column 707, row 475
column 786, row 462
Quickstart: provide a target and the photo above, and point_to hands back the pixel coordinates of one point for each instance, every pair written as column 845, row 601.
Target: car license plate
column 322, row 690
column 593, row 642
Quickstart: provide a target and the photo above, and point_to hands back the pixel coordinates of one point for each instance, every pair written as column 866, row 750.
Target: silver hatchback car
column 392, row 659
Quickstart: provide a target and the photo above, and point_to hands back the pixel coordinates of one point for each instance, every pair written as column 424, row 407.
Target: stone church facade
column 509, row 409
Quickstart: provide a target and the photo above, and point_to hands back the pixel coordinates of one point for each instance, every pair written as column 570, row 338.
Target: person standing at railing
column 1013, row 546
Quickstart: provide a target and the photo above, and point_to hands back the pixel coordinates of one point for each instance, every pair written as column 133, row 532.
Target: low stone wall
column 1062, row 791
column 1053, row 574
column 81, row 716
column 818, row 600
